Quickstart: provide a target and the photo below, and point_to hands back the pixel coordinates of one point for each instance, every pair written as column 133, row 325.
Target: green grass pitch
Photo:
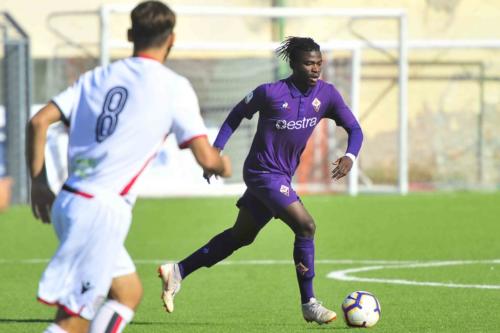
column 247, row 295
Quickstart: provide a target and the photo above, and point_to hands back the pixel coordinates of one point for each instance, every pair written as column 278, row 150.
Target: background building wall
column 453, row 95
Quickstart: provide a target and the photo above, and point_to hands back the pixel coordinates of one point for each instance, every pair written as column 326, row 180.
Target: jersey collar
column 295, row 92
column 145, row 56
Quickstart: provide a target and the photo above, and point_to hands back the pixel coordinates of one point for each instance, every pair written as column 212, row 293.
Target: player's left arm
column 246, row 108
column 41, row 195
column 343, row 117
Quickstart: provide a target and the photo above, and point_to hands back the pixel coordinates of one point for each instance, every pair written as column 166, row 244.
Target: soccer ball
column 361, row 309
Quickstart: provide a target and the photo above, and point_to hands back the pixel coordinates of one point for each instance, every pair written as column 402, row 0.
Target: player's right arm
column 209, row 158
column 190, row 132
column 41, row 195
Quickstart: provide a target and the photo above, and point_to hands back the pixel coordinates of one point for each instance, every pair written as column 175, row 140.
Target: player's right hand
column 42, row 199
column 226, row 172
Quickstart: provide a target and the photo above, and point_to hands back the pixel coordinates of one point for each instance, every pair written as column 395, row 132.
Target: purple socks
column 217, row 249
column 224, row 244
column 303, row 256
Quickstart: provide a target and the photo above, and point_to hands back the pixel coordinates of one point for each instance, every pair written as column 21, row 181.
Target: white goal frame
column 355, row 46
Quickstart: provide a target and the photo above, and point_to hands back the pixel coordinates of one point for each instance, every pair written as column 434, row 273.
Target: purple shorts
column 267, row 196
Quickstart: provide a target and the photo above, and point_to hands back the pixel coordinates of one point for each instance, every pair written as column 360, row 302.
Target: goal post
column 450, row 134
column 355, row 47
column 15, row 102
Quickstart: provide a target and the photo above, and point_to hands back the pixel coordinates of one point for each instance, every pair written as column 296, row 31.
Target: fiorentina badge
column 301, row 268
column 316, row 104
column 285, row 190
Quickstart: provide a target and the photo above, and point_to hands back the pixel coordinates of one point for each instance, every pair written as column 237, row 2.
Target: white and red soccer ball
column 361, row 309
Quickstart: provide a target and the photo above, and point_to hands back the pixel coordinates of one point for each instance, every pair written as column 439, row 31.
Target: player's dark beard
column 300, row 80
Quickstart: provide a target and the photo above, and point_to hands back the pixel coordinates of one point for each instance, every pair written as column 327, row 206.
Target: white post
column 403, row 106
column 104, row 38
column 355, row 83
column 402, row 46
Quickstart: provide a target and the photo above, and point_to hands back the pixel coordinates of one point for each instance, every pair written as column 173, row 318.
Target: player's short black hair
column 152, row 23
column 289, row 48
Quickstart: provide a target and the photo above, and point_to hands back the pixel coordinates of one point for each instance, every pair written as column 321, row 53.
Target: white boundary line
column 382, row 263
column 341, row 275
column 344, row 275
column 238, row 262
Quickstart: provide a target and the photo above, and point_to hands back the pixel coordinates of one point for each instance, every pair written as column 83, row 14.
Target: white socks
column 54, row 328
column 112, row 317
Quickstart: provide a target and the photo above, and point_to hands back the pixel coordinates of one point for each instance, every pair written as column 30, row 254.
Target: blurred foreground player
column 289, row 110
column 118, row 116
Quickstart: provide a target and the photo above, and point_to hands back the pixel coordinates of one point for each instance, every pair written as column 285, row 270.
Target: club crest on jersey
column 316, row 103
column 284, row 105
column 285, row 190
column 249, row 97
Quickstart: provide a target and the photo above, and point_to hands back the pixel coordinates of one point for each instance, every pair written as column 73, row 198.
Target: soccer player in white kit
column 118, row 116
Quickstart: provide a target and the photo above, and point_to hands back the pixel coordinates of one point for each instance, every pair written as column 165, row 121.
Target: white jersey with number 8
column 118, row 117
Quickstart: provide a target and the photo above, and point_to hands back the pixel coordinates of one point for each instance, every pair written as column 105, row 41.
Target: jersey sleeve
column 342, row 115
column 67, row 100
column 187, row 123
column 252, row 102
column 246, row 108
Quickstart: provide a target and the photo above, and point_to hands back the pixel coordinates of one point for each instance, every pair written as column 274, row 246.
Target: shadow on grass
column 9, row 321
column 234, row 325
column 187, row 324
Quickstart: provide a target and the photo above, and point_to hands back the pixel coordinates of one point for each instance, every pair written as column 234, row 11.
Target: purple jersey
column 287, row 117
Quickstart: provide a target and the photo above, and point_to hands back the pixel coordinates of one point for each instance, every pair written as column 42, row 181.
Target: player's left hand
column 342, row 167
column 42, row 199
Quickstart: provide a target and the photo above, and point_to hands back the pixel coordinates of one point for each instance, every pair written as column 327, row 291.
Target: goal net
column 235, row 53
column 224, row 68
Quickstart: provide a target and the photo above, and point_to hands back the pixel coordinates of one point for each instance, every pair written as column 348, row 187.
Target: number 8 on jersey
column 108, row 119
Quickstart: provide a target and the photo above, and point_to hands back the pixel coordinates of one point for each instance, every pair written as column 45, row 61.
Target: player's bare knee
column 136, row 294
column 307, row 228
column 127, row 290
column 243, row 237
column 133, row 298
column 71, row 323
column 247, row 240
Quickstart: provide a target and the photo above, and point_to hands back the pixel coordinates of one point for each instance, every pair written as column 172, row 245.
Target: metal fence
column 15, row 98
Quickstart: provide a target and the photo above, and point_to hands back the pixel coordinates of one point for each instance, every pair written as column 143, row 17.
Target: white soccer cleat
column 314, row 311
column 171, row 284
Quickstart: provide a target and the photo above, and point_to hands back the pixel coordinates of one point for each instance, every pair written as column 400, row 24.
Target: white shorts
column 91, row 252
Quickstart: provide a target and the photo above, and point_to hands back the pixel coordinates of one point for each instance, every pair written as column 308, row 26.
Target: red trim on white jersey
column 186, row 143
column 65, row 308
column 146, row 56
column 127, row 187
column 77, row 192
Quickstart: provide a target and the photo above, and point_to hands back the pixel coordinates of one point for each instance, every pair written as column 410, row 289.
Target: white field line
column 237, row 262
column 342, row 275
column 390, row 263
column 346, row 274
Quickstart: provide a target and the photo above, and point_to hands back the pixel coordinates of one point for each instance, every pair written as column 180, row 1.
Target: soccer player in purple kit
column 289, row 110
